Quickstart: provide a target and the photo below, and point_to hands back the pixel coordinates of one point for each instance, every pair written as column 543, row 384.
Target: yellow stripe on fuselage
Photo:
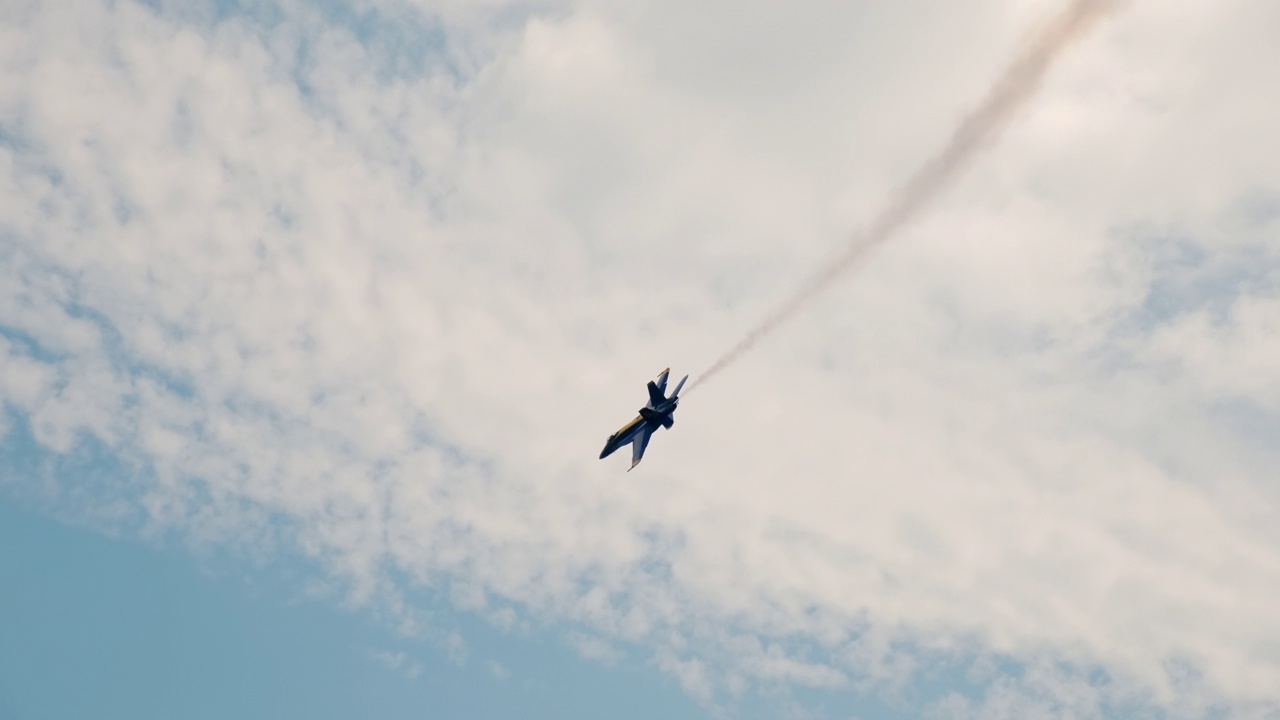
column 628, row 426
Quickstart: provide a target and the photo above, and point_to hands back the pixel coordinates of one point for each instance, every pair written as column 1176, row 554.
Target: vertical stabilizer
column 676, row 392
column 656, row 397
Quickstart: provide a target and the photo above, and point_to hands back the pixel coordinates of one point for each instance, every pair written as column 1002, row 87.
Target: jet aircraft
column 656, row 413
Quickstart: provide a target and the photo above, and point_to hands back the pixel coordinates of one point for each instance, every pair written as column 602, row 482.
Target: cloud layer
column 373, row 282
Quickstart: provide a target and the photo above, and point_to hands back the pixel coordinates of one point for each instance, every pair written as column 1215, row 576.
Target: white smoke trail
column 1009, row 93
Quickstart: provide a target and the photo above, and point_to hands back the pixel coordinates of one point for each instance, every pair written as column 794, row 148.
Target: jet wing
column 639, row 443
column 661, row 381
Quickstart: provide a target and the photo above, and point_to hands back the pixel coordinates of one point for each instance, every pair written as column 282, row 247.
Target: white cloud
column 692, row 674
column 396, row 661
column 400, row 308
column 595, row 648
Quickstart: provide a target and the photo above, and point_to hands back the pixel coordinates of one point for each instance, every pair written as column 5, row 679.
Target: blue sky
column 96, row 627
column 314, row 316
column 121, row 627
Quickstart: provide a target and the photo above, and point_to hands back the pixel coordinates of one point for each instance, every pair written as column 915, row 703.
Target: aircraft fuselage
column 657, row 413
column 627, row 434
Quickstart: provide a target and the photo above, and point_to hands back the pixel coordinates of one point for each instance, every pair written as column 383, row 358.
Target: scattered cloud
column 595, row 648
column 373, row 290
column 396, row 661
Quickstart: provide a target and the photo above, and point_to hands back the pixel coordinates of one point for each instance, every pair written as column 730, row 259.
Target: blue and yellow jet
column 656, row 413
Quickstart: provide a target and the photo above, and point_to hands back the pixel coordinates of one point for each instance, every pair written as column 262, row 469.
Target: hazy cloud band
column 1008, row 94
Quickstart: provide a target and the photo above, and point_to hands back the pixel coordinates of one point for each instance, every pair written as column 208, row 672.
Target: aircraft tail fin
column 676, row 392
column 655, row 395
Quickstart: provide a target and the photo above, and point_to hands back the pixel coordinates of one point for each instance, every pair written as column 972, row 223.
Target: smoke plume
column 1007, row 95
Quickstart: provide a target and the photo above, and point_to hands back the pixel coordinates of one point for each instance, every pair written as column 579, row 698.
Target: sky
column 314, row 316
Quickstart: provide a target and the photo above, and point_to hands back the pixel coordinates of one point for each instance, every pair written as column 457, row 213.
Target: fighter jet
column 656, row 413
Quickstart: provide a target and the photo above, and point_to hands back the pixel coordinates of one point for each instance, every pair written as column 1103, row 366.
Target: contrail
column 1009, row 93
